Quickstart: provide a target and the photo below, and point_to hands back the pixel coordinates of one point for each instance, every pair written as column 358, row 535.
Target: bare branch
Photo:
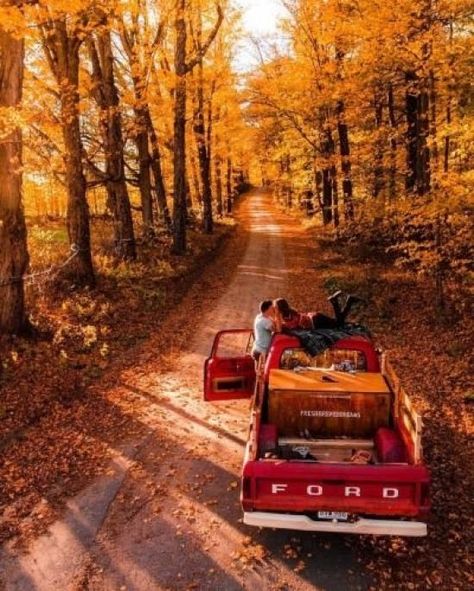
column 212, row 35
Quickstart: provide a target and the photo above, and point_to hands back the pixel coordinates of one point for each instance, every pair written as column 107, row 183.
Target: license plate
column 333, row 515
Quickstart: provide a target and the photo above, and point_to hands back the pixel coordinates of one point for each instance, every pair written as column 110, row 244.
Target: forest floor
column 161, row 509
column 50, row 414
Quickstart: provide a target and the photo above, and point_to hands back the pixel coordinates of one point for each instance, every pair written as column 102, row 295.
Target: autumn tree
column 63, row 34
column 217, row 114
column 184, row 63
column 379, row 97
column 141, row 40
column 13, row 247
column 202, row 125
column 106, row 95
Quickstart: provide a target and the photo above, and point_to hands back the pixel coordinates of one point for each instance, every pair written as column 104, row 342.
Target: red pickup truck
column 334, row 443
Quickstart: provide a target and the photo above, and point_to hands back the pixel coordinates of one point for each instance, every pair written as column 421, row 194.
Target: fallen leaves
column 250, row 554
column 69, row 441
column 433, row 359
column 57, row 424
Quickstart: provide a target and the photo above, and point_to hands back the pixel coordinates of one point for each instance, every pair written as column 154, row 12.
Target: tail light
column 425, row 495
column 246, row 486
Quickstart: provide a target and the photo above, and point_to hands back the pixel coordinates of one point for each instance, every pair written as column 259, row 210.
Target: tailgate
column 303, row 487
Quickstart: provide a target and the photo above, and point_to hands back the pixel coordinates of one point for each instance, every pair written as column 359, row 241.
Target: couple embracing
column 278, row 316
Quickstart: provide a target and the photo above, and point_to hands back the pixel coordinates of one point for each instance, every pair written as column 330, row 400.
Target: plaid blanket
column 317, row 341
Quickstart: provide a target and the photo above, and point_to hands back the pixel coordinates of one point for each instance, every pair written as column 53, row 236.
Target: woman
column 290, row 319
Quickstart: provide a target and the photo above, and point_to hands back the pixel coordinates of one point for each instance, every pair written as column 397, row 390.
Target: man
column 263, row 327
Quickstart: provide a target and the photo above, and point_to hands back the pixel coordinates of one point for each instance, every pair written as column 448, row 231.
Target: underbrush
column 432, row 353
column 429, row 240
column 418, row 247
column 50, row 420
column 83, row 329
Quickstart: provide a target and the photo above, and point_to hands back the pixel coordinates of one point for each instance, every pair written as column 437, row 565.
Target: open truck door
column 229, row 372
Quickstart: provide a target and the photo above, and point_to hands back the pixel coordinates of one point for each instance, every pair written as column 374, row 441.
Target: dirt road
column 166, row 514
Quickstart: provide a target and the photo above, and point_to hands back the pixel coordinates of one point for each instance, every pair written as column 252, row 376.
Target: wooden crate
column 328, row 404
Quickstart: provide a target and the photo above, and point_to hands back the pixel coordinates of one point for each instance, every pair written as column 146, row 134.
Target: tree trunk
column 107, row 98
column 195, row 178
column 447, row 146
column 289, row 187
column 392, row 184
column 179, row 159
column 217, row 162
column 146, row 130
column 423, row 151
column 328, row 150
column 62, row 52
column 335, row 197
column 218, row 177
column 439, row 275
column 418, row 155
column 447, row 140
column 432, row 122
column 144, row 177
column 318, row 185
column 182, row 66
column 209, row 132
column 157, row 171
column 77, row 206
column 327, row 196
column 411, row 106
column 199, row 128
column 204, row 170
column 230, row 195
column 13, row 246
column 189, row 197
column 346, row 167
column 379, row 182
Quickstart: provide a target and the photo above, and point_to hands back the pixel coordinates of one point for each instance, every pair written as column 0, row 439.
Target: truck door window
column 234, row 344
column 337, row 359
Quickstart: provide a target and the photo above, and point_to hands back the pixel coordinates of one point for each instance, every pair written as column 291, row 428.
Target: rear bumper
column 387, row 527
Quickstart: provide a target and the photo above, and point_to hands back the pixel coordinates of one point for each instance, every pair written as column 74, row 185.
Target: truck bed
column 302, row 470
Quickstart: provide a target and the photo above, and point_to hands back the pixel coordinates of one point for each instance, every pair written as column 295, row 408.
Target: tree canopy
column 361, row 118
